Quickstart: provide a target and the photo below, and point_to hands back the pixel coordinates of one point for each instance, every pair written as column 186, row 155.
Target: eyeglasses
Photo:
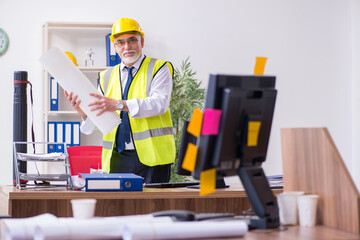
column 131, row 40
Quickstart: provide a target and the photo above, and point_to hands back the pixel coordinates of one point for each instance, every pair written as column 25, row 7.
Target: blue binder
column 75, row 133
column 112, row 58
column 63, row 132
column 72, row 133
column 59, row 136
column 97, row 182
column 54, row 95
column 51, row 137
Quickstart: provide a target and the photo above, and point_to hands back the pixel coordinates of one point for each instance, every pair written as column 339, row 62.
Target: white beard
column 130, row 60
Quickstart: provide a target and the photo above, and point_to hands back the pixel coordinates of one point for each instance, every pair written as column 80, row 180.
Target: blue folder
column 112, row 182
column 112, row 58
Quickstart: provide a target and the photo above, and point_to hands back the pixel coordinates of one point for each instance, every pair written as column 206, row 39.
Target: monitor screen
column 244, row 100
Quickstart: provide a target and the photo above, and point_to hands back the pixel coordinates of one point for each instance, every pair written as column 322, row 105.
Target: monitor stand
column 220, row 182
column 260, row 196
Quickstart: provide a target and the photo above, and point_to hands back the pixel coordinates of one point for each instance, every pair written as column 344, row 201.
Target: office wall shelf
column 74, row 37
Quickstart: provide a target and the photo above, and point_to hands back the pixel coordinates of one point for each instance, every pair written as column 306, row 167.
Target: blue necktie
column 124, row 127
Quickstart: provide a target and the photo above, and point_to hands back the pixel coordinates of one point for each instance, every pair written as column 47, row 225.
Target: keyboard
column 209, row 216
column 185, row 215
column 171, row 184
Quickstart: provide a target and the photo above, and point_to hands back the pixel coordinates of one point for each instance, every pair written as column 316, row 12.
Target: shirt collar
column 136, row 64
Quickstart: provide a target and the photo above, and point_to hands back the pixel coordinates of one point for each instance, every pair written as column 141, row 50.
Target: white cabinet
column 75, row 38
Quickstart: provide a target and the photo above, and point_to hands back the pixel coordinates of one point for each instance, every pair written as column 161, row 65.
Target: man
column 139, row 89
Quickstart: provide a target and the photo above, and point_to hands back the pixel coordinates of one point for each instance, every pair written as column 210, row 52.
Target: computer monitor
column 237, row 150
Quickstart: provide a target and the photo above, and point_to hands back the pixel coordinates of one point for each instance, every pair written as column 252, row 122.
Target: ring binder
column 54, row 95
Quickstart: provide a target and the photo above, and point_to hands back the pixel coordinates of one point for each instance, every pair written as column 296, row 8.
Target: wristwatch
column 120, row 105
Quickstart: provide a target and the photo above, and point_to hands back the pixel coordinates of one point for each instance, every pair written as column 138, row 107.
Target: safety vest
column 153, row 136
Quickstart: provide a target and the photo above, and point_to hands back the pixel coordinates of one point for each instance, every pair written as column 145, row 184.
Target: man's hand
column 105, row 104
column 75, row 103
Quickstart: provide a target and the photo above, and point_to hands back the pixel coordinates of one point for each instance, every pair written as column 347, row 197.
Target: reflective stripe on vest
column 107, row 145
column 106, row 77
column 149, row 75
column 152, row 133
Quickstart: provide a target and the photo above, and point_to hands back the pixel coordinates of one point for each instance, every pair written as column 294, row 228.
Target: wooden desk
column 303, row 233
column 27, row 203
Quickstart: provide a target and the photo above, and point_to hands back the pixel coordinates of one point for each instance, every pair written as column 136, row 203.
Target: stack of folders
column 112, row 182
column 63, row 132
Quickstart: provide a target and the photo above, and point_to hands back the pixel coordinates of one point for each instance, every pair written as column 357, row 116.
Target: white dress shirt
column 156, row 104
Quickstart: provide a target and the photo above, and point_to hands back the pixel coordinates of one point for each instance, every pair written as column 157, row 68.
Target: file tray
column 53, row 157
column 22, row 159
column 44, row 177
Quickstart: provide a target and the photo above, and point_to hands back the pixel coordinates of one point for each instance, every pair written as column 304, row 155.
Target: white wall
column 355, row 91
column 308, row 43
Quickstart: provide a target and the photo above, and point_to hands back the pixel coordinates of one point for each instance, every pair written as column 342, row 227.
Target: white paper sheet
column 185, row 230
column 73, row 80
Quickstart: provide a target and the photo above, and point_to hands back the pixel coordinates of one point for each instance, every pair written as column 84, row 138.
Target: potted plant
column 187, row 95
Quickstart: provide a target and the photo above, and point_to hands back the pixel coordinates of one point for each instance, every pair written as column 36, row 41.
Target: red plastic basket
column 82, row 158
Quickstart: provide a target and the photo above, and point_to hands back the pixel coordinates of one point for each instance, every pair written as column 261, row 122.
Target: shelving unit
column 75, row 38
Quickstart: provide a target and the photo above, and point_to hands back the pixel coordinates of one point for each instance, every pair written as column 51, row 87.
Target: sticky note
column 260, row 65
column 207, row 181
column 195, row 123
column 253, row 133
column 211, row 122
column 190, row 157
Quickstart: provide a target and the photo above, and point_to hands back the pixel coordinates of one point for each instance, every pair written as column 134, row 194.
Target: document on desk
column 73, row 80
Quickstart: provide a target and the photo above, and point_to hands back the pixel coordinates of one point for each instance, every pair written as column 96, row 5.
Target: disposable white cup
column 83, row 208
column 307, row 205
column 287, row 202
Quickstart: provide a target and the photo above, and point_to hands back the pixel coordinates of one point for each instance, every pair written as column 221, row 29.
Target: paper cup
column 83, row 208
column 307, row 205
column 287, row 202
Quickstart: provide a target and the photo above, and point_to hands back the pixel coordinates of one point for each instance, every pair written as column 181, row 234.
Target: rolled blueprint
column 185, row 230
column 73, row 80
column 92, row 228
column 24, row 228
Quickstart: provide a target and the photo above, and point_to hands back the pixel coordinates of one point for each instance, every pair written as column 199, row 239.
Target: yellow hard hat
column 124, row 25
column 71, row 56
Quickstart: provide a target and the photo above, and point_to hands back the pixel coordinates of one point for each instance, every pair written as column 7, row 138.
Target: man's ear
column 142, row 42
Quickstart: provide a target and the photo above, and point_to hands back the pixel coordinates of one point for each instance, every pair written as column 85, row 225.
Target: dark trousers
column 128, row 162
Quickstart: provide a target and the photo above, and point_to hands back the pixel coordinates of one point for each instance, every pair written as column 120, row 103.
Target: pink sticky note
column 211, row 121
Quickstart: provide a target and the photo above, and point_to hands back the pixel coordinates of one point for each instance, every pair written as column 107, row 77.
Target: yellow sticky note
column 190, row 157
column 207, row 181
column 195, row 123
column 253, row 133
column 260, row 65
